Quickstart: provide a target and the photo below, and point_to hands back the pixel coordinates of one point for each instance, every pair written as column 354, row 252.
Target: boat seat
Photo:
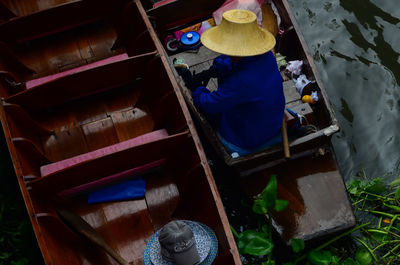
column 136, row 171
column 69, row 162
column 39, row 81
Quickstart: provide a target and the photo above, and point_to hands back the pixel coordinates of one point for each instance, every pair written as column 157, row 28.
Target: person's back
column 248, row 106
column 249, row 102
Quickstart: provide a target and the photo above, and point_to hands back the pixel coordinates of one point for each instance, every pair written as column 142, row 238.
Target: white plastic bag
column 251, row 5
column 294, row 67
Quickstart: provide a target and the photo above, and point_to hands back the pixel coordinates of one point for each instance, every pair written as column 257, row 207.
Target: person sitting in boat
column 248, row 105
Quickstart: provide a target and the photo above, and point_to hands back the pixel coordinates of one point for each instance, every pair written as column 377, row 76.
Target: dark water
column 356, row 48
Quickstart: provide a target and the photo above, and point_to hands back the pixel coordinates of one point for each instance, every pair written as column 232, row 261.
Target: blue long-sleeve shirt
column 249, row 101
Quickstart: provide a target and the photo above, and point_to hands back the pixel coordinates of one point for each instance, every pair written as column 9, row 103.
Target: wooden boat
column 289, row 44
column 75, row 131
column 310, row 179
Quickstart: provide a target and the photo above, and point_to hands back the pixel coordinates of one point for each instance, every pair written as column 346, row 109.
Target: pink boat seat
column 69, row 162
column 113, row 178
column 39, row 81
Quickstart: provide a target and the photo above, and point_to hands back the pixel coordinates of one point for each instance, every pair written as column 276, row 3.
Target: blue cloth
column 248, row 105
column 125, row 190
column 277, row 139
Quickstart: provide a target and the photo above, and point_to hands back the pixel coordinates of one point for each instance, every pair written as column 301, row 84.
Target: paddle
column 80, row 226
column 285, row 140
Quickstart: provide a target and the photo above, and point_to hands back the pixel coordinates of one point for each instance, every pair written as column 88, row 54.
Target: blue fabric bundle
column 126, row 190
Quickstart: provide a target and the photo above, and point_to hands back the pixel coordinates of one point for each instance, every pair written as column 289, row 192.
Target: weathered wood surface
column 318, row 201
column 101, row 107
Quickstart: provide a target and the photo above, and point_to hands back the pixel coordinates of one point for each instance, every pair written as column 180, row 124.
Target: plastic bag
column 294, row 67
column 251, row 5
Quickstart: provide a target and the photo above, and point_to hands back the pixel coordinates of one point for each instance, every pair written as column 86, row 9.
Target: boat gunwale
column 204, row 161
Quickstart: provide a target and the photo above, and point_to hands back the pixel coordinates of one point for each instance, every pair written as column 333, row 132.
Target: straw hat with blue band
column 238, row 35
column 152, row 255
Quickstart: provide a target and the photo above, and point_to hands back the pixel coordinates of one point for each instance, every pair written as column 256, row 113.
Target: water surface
column 356, row 48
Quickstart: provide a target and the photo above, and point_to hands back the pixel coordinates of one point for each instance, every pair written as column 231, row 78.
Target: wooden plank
column 125, row 226
column 99, row 134
column 65, row 144
column 132, row 123
column 5, row 13
column 107, row 165
column 62, row 17
column 88, row 110
column 57, row 119
column 187, row 9
column 314, row 187
column 162, row 197
column 124, row 99
column 68, row 50
column 26, row 7
column 192, row 58
column 290, row 91
column 301, row 109
column 83, row 83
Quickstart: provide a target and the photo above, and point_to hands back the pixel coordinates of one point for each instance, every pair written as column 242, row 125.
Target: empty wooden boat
column 310, row 179
column 101, row 125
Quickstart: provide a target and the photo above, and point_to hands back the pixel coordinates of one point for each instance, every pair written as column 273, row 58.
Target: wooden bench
column 92, row 118
column 178, row 190
column 54, row 18
column 60, row 54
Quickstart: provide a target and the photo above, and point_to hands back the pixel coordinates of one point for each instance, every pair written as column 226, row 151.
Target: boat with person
column 308, row 174
column 82, row 112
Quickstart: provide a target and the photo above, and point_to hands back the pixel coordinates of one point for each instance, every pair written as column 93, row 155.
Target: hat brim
column 153, row 242
column 213, row 40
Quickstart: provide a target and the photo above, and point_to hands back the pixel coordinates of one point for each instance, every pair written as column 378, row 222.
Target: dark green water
column 356, row 48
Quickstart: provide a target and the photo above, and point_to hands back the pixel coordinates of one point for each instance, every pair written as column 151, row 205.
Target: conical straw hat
column 238, row 35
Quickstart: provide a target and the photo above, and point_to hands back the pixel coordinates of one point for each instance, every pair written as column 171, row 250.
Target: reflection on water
column 355, row 44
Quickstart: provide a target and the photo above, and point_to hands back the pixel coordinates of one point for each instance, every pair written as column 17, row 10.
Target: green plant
column 259, row 242
column 378, row 241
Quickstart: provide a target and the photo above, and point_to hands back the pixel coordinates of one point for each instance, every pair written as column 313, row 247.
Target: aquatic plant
column 374, row 242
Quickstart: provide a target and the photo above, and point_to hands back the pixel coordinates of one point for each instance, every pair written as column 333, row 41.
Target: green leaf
column 354, row 187
column 288, row 263
column 265, row 229
column 348, row 261
column 364, row 257
column 281, row 205
column 254, row 243
column 380, row 237
column 260, row 207
column 335, row 260
column 5, row 255
column 395, row 182
column 397, row 193
column 268, row 262
column 297, row 245
column 375, row 186
column 320, row 257
column 22, row 261
column 269, row 194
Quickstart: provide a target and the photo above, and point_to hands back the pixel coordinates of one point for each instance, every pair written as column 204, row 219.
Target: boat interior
column 71, row 134
column 318, row 116
column 107, row 36
column 310, row 179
